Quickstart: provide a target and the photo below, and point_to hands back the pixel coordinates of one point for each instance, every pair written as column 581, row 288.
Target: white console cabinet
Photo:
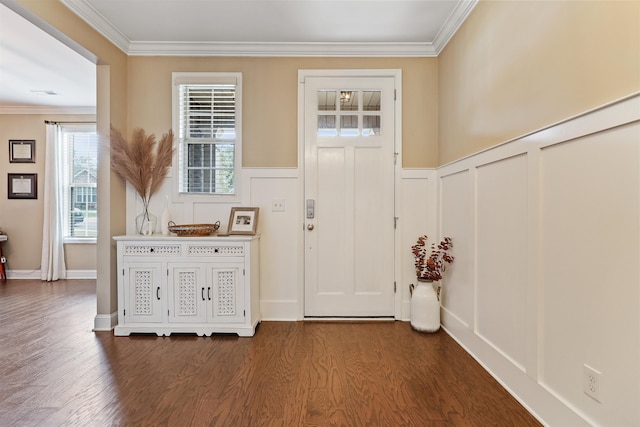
column 201, row 285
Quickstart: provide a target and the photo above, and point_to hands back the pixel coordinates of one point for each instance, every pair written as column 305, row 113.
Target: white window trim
column 79, row 240
column 178, row 78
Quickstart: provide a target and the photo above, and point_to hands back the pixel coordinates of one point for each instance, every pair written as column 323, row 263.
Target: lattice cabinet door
column 189, row 293
column 227, row 303
column 143, row 301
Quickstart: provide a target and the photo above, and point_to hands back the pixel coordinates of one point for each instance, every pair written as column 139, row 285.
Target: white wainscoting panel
column 416, row 217
column 207, row 213
column 501, row 256
column 589, row 246
column 281, row 248
column 546, row 235
column 456, row 208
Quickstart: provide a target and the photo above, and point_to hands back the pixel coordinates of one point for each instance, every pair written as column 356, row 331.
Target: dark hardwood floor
column 54, row 371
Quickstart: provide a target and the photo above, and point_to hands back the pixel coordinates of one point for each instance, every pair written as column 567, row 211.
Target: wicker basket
column 193, row 230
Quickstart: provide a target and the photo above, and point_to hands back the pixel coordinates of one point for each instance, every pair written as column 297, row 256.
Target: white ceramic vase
column 165, row 217
column 425, row 307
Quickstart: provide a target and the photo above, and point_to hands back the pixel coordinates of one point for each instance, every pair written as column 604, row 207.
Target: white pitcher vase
column 425, row 306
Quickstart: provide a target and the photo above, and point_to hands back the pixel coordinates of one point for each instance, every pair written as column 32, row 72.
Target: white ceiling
column 30, row 59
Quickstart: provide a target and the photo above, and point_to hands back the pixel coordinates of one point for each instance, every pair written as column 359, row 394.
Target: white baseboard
column 405, row 313
column 36, row 274
column 23, row 274
column 82, row 274
column 280, row 310
column 105, row 322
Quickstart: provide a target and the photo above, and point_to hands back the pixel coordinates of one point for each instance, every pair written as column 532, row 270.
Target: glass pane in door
column 370, row 125
column 348, row 100
column 326, row 100
column 371, row 100
column 327, row 125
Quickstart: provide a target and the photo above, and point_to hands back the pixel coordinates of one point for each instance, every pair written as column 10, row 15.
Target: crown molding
column 92, row 17
column 172, row 48
column 451, row 26
column 281, row 49
column 37, row 109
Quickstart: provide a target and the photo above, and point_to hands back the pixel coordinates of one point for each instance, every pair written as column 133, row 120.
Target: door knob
column 309, row 227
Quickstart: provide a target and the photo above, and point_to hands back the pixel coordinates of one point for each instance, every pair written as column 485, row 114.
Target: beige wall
column 514, row 67
column 22, row 219
column 270, row 101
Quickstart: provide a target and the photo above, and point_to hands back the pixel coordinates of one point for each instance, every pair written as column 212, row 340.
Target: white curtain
column 52, row 266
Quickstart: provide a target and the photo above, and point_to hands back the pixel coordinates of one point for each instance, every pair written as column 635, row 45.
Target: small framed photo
column 243, row 221
column 22, row 185
column 22, row 151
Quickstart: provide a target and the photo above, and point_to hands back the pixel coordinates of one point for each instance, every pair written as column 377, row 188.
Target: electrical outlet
column 277, row 205
column 591, row 382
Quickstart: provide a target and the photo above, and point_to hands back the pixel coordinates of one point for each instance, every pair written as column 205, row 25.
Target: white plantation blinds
column 208, row 134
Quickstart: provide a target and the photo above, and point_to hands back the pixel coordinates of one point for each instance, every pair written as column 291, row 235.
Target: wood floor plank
column 56, row 372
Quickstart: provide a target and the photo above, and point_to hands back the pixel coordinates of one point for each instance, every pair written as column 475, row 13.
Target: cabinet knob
column 309, row 227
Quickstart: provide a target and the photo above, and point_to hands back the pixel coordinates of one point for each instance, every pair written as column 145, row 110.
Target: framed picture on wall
column 22, row 185
column 22, row 151
column 243, row 221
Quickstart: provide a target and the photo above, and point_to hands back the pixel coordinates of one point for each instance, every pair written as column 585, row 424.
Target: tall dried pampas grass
column 138, row 164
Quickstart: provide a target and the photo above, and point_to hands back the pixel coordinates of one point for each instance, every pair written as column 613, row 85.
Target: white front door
column 349, row 131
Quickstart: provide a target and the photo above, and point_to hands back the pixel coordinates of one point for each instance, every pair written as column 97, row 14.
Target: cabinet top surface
column 163, row 238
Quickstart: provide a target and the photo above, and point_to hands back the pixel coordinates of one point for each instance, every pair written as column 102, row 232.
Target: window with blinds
column 208, row 123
